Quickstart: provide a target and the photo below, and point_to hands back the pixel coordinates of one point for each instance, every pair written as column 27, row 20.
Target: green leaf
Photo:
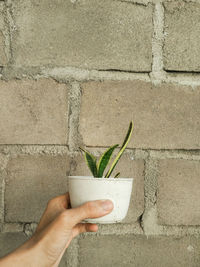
column 117, row 175
column 104, row 160
column 125, row 143
column 91, row 162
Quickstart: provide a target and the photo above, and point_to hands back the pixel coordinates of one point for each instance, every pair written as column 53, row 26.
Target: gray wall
column 75, row 73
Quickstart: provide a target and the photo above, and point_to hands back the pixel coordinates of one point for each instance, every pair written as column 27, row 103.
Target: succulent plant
column 97, row 169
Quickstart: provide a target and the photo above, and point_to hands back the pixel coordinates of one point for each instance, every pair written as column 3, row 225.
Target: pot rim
column 100, row 178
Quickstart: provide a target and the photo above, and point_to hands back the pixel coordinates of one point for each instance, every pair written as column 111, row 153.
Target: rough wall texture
column 75, row 73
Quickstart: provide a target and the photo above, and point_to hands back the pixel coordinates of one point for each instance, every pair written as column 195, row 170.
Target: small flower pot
column 88, row 188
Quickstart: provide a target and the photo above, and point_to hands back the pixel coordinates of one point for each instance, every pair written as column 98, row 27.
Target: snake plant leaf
column 91, row 161
column 125, row 143
column 104, row 160
column 117, row 175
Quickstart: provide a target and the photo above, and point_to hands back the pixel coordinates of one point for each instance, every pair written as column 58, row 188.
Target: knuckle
column 51, row 202
column 89, row 206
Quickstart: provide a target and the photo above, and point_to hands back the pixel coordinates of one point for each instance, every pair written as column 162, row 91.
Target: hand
column 57, row 227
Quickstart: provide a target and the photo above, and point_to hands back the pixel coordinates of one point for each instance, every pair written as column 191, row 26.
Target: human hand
column 57, row 227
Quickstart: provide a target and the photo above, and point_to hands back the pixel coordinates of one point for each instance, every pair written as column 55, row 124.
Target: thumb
column 91, row 209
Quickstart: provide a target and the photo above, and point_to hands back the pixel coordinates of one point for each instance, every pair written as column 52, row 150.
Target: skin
column 57, row 227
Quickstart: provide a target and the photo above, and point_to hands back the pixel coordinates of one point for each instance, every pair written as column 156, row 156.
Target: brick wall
column 75, row 73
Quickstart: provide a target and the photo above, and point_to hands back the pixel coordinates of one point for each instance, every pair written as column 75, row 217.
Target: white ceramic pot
column 88, row 188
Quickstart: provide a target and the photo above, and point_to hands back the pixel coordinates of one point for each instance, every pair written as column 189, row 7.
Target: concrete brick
column 86, row 34
column 3, row 57
column 164, row 116
column 128, row 168
column 182, row 36
column 33, row 112
column 178, row 192
column 139, row 251
column 31, row 181
column 10, row 241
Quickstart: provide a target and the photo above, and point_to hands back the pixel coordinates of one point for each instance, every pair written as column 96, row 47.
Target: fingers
column 54, row 207
column 57, row 208
column 91, row 209
column 62, row 201
column 84, row 227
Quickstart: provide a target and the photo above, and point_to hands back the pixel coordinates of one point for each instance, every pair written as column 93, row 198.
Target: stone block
column 165, row 116
column 182, row 36
column 85, row 34
column 178, row 192
column 33, row 112
column 138, row 251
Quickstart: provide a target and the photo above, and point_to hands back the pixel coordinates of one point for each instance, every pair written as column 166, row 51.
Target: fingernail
column 106, row 205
